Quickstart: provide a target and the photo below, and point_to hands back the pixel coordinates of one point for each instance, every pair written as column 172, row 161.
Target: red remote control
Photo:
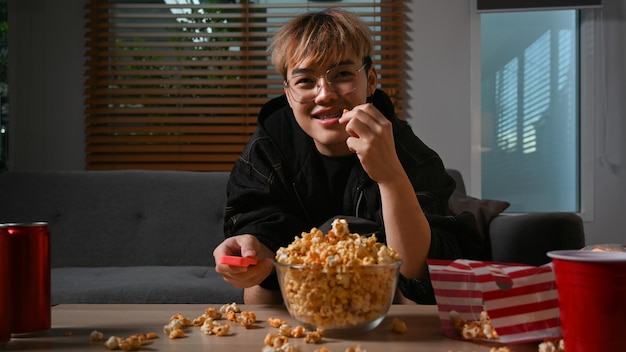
column 237, row 261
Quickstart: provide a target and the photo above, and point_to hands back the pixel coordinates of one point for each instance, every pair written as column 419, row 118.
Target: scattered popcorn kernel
column 500, row 349
column 275, row 322
column 398, row 326
column 547, row 346
column 181, row 318
column 275, row 341
column 313, row 337
column 212, row 313
column 269, row 339
column 220, row 330
column 480, row 329
column 173, row 324
column 356, row 348
column 247, row 319
column 284, row 330
column 141, row 338
column 96, row 336
column 552, row 346
column 231, row 315
column 298, row 331
column 207, row 326
column 129, row 344
column 230, row 307
column 457, row 321
column 288, row 347
column 112, row 343
column 322, row 349
column 209, row 313
column 176, row 333
column 199, row 320
column 471, row 331
column 279, row 341
column 152, row 336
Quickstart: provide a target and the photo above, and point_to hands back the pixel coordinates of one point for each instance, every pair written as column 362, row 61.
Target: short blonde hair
column 319, row 37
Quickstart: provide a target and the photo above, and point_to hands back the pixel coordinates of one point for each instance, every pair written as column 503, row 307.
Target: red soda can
column 5, row 290
column 29, row 277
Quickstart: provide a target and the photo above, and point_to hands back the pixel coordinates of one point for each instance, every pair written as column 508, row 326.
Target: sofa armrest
column 526, row 238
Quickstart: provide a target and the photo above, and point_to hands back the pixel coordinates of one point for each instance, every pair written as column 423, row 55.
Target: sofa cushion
column 121, row 218
column 142, row 284
column 484, row 210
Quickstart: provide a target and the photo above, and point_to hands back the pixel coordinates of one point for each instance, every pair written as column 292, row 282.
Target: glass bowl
column 348, row 299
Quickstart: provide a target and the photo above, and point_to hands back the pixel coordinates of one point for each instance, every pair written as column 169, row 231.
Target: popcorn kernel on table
column 500, row 349
column 247, row 319
column 298, row 331
column 275, row 322
column 284, row 330
column 112, row 343
column 96, row 336
column 398, row 326
column 313, row 337
column 230, row 307
column 322, row 349
column 176, row 333
column 181, row 318
column 221, row 330
column 269, row 339
column 477, row 329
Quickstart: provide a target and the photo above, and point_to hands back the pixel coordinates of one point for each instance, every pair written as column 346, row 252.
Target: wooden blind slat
column 173, row 119
column 172, row 129
column 168, row 88
column 203, row 166
column 167, row 157
column 165, row 148
column 156, row 111
column 163, row 139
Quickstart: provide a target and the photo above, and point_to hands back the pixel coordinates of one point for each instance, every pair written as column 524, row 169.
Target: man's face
column 318, row 105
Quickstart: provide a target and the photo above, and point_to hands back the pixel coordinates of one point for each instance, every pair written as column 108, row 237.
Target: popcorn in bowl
column 339, row 280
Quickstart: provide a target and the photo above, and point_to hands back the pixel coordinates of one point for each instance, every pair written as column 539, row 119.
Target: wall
column 46, row 78
column 608, row 152
column 46, row 84
column 445, row 105
column 439, row 107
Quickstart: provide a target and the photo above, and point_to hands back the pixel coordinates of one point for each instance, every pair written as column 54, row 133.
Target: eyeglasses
column 342, row 79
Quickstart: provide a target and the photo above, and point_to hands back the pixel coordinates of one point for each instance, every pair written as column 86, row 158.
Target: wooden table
column 72, row 325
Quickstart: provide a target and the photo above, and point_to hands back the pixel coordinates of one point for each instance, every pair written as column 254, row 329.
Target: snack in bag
column 511, row 303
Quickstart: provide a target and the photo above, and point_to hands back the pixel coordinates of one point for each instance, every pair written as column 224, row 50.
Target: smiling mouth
column 329, row 117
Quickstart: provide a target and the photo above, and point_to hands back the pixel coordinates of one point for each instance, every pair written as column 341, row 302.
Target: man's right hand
column 245, row 246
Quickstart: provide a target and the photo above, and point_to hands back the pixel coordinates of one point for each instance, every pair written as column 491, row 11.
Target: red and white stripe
column 521, row 300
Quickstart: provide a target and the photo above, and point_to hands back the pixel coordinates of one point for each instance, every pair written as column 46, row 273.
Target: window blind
column 173, row 86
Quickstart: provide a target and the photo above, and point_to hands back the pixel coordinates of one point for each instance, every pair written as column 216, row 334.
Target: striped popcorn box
column 521, row 301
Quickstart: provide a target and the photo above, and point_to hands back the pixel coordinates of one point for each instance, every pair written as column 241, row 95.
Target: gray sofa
column 518, row 238
column 148, row 236
column 126, row 236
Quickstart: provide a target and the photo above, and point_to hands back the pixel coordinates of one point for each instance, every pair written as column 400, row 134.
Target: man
column 333, row 147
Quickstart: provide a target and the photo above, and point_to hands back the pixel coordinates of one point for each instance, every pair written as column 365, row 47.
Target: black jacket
column 277, row 187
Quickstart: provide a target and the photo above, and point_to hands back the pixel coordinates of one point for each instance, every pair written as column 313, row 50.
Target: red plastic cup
column 5, row 293
column 592, row 299
column 28, row 277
